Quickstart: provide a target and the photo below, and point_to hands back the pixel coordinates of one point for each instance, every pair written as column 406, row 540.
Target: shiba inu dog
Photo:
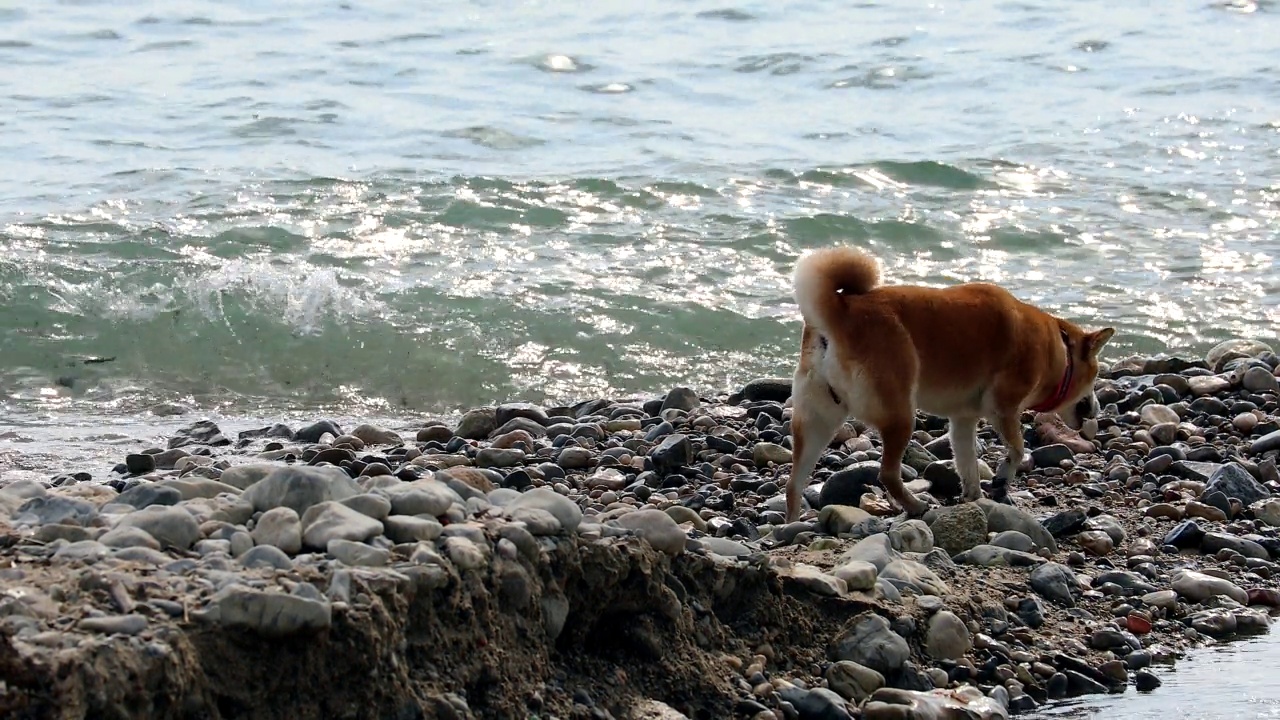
column 969, row 352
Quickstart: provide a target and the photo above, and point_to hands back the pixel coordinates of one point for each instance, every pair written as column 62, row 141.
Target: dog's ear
column 1094, row 341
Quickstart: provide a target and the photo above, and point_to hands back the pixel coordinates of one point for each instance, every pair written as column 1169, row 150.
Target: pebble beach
column 628, row 558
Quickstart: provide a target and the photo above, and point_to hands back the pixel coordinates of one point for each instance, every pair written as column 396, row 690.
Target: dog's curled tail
column 824, row 279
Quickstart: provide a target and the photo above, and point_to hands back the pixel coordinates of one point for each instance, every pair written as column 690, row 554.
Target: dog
column 968, row 352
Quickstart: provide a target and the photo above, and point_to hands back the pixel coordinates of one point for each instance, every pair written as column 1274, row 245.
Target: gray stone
column 327, row 521
column 907, row 574
column 766, row 452
column 852, row 681
column 192, row 487
column 477, row 424
column 1055, row 583
column 675, row 451
column 422, row 497
column 947, row 637
column 410, row 528
column 656, row 527
column 242, row 476
column 847, row 486
column 1051, row 455
column 49, row 509
column 299, row 487
column 357, row 554
column 271, row 614
column 1198, row 587
column 264, row 556
column 1266, row 443
column 911, row 536
column 89, row 551
column 172, row 527
column 279, row 527
column 1234, row 481
column 871, row 642
column 680, row 398
column 1259, row 379
column 375, row 435
column 842, row 519
column 537, row 521
column 1002, row 517
column 994, row 556
column 564, row 509
column 464, row 553
column 374, row 505
column 491, row 457
column 1228, row 350
column 131, row 624
column 876, row 549
column 1212, row 542
column 1108, row 524
column 125, row 537
column 959, row 528
column 965, row 702
column 1014, row 540
column 148, row 494
column 724, row 547
column 857, row 575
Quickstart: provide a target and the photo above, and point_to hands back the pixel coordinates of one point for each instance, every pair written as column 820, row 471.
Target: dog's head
column 1081, row 403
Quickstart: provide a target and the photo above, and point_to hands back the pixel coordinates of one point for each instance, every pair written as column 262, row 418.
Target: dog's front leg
column 1009, row 426
column 814, row 420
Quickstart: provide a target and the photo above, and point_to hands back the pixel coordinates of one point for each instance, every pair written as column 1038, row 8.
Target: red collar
column 1064, row 385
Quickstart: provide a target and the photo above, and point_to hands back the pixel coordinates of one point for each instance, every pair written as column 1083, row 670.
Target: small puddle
column 1235, row 681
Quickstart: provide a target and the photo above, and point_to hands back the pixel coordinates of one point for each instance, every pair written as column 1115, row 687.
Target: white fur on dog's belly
column 953, row 403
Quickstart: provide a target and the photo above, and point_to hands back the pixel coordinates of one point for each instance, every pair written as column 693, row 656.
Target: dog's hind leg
column 964, row 447
column 895, row 433
column 815, row 417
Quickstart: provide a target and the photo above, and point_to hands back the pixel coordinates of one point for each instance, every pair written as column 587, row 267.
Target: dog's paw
column 915, row 507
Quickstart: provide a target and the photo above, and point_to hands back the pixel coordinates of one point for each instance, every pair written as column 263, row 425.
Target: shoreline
column 630, row 557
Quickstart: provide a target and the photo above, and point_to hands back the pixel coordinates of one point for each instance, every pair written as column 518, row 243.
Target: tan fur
column 966, row 352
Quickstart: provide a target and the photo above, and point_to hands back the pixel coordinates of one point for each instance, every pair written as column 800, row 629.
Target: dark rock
column 313, row 432
column 278, row 430
column 847, row 486
column 1145, row 681
column 1234, row 481
column 147, row 494
column 680, row 398
column 1067, row 522
column 1212, row 542
column 816, row 704
column 943, row 479
column 504, row 414
column 140, row 463
column 1266, row 443
column 1031, row 612
column 1055, row 583
column 767, row 389
column 56, row 509
column 1051, row 455
column 1186, row 534
column 204, row 432
column 673, row 453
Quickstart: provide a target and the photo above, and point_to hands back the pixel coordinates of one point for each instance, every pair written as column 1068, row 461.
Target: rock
column 656, row 527
column 1198, row 587
column 765, row 453
column 1067, row 522
column 371, row 504
column 857, row 575
column 204, row 432
column 51, row 509
column 126, row 537
column 1051, row 455
column 300, row 487
column 1031, row 611
column 993, row 556
column 842, row 519
column 1055, row 583
column 1146, row 681
column 477, row 424
column 266, row 556
column 1259, row 379
column 375, row 435
column 1002, row 517
column 674, row 452
column 965, row 702
column 767, row 390
column 911, row 536
column 1108, row 524
column 575, row 458
column 330, row 520
column 562, row 508
column 1096, row 542
column 461, row 478
column 114, row 624
column 682, row 514
column 272, row 614
column 1204, row 385
column 1228, row 350
column 280, row 528
column 1158, row 415
column 422, row 497
column 194, row 488
column 852, row 681
column 316, row 431
column 1236, row 482
column 680, row 398
column 243, row 476
column 1212, row 542
column 869, row 641
column 1268, row 511
column 465, row 554
column 1166, row 599
column 959, row 528
column 1266, row 443
column 875, row 549
column 816, row 704
column 943, row 479
column 172, row 527
column 1186, row 534
column 1014, row 540
column 140, row 463
column 947, row 637
column 357, row 554
column 507, row 412
column 1207, row 512
column 906, row 574
column 410, row 529
column 846, row 487
column 491, row 457
column 815, row 580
